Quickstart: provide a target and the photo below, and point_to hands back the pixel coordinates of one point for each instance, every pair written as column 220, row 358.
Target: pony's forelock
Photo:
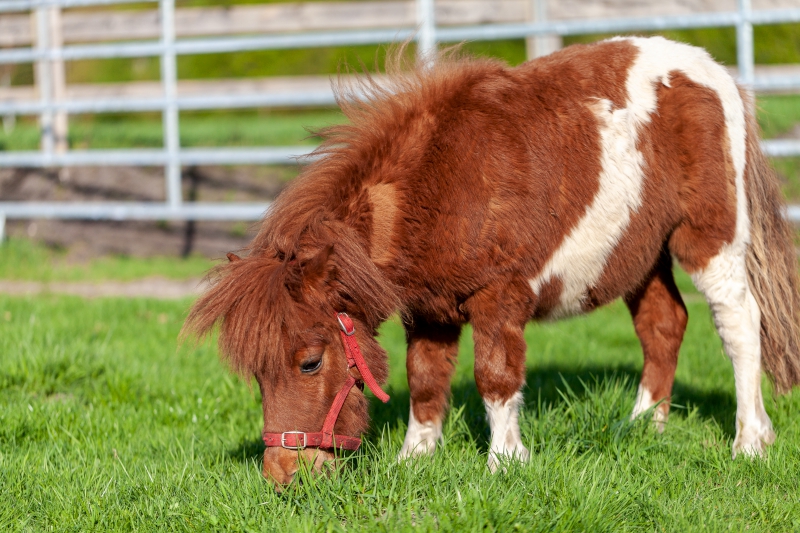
column 249, row 300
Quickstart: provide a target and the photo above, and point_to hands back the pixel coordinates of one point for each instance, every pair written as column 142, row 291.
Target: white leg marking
column 645, row 401
column 738, row 319
column 421, row 437
column 504, row 424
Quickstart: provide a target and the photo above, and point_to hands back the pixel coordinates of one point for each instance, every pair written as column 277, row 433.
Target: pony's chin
column 281, row 464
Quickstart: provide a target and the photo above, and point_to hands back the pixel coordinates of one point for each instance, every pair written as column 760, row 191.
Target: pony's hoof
column 412, row 451
column 500, row 457
column 753, row 445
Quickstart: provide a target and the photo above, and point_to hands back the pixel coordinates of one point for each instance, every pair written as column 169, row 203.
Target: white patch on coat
column 421, row 437
column 581, row 258
column 657, row 58
column 724, row 281
column 506, row 438
column 645, row 401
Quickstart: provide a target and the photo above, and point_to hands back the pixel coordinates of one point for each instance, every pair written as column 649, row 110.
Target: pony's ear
column 316, row 268
column 232, row 257
column 308, row 273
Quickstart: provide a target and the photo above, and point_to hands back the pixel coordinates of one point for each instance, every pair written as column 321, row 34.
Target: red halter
column 297, row 440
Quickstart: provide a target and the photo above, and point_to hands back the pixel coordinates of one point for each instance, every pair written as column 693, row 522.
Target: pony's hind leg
column 432, row 352
column 724, row 283
column 659, row 318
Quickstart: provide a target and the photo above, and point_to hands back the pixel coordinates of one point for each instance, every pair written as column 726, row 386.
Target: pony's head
column 277, row 311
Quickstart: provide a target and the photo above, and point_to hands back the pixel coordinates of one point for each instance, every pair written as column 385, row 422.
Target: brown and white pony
column 469, row 191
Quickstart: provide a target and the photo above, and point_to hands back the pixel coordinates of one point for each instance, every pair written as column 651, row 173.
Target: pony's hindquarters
column 750, row 282
column 731, row 236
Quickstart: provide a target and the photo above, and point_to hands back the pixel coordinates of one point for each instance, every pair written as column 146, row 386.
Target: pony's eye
column 311, row 365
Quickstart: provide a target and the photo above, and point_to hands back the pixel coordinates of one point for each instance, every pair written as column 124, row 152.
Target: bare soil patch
column 160, row 288
column 85, row 239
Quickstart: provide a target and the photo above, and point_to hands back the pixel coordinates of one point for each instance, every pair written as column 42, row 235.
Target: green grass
column 773, row 43
column 106, row 425
column 197, row 130
column 776, row 113
column 25, row 260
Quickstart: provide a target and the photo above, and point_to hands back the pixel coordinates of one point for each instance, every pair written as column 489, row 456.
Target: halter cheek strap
column 298, row 440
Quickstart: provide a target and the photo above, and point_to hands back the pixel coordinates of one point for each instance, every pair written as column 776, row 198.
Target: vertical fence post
column 540, row 45
column 744, row 43
column 44, row 82
column 58, row 79
column 2, row 227
column 170, row 111
column 426, row 37
column 9, row 119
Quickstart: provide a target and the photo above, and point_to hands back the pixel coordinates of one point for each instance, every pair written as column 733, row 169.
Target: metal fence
column 172, row 156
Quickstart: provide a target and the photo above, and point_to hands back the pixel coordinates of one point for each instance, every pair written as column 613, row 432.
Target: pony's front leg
column 500, row 371
column 432, row 352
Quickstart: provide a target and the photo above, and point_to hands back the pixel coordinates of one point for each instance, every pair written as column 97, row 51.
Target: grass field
column 197, row 130
column 24, row 260
column 105, row 424
column 777, row 114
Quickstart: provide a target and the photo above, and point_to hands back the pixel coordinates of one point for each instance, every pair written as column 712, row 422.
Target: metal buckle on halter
column 347, row 332
column 296, row 446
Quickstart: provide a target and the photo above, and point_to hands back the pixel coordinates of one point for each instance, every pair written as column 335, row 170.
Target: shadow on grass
column 544, row 385
column 247, row 451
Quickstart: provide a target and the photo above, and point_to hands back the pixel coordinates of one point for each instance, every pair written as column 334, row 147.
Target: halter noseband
column 298, row 440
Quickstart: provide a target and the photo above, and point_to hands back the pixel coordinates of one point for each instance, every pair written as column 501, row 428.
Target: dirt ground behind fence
column 86, row 239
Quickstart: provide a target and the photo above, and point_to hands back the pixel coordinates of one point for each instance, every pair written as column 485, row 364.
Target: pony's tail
column 772, row 266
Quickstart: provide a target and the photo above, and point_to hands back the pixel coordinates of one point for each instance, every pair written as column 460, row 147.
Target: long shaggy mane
column 389, row 122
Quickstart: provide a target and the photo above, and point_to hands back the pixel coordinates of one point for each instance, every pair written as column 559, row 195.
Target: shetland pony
column 469, row 191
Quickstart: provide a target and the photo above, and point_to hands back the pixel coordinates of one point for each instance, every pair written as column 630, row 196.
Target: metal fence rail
column 172, row 156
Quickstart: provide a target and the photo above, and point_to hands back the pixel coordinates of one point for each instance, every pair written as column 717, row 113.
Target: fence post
column 2, row 227
column 9, row 119
column 43, row 81
column 56, row 41
column 744, row 44
column 540, row 45
column 170, row 111
column 426, row 24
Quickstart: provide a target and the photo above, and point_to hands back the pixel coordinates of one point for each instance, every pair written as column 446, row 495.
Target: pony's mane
column 250, row 298
column 389, row 120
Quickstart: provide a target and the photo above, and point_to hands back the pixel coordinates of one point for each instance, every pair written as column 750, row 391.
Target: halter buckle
column 296, row 446
column 349, row 332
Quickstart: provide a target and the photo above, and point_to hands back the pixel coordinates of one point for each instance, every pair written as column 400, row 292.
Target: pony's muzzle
column 281, row 464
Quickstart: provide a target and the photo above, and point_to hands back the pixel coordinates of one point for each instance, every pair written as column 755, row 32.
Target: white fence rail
column 49, row 52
